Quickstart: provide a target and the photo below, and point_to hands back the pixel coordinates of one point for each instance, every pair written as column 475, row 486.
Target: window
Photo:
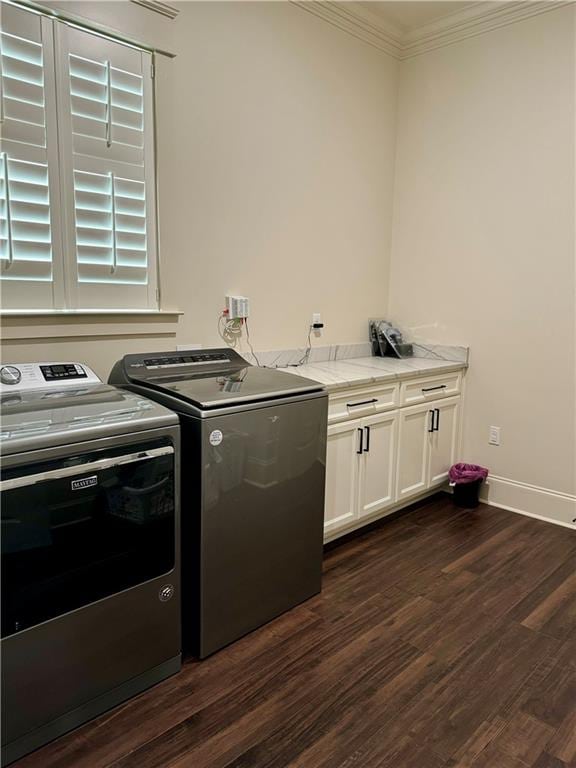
column 77, row 189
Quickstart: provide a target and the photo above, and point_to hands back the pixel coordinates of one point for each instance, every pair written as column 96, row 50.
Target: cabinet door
column 342, row 459
column 377, row 479
column 413, row 448
column 444, row 440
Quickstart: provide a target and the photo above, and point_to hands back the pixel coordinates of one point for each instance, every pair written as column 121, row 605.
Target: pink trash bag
column 466, row 473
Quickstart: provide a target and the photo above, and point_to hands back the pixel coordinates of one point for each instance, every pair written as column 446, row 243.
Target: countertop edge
column 344, row 385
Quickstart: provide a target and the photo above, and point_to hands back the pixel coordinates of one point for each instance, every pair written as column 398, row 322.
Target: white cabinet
column 342, row 458
column 413, row 449
column 360, row 469
column 363, row 401
column 443, row 441
column 427, row 444
column 377, row 465
column 422, row 390
column 387, row 446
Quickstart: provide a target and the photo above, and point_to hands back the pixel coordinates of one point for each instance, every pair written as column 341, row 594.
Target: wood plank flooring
column 442, row 639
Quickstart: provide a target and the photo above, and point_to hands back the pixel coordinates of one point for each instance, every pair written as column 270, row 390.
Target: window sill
column 87, row 312
column 56, row 324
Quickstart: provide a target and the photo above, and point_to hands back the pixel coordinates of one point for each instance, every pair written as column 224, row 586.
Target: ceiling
column 409, row 14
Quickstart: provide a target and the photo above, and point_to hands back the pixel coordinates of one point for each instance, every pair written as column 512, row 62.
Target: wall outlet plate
column 494, row 436
column 317, row 320
column 237, row 307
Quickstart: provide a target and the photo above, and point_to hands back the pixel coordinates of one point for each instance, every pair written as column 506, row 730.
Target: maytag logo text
column 85, row 482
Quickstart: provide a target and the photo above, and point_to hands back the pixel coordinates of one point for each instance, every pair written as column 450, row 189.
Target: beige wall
column 277, row 173
column 276, row 154
column 483, row 244
column 276, row 149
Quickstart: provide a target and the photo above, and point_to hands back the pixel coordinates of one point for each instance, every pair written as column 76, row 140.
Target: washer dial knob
column 10, row 375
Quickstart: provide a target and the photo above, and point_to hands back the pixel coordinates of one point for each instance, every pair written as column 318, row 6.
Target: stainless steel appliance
column 90, row 566
column 253, row 467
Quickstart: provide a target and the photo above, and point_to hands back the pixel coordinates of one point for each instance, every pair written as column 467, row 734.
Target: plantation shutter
column 29, row 201
column 105, row 114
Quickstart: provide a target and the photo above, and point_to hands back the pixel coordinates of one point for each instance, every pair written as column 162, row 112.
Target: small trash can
column 466, row 480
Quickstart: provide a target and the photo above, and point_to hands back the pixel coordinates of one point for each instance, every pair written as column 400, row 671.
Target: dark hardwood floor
column 442, row 639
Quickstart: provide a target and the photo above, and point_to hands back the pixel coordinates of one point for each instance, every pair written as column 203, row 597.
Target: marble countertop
column 358, row 371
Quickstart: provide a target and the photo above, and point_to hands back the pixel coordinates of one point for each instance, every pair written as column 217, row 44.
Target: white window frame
column 66, row 291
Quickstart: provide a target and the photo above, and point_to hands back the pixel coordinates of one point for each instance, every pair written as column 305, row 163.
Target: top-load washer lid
column 236, row 386
column 207, row 379
column 38, row 412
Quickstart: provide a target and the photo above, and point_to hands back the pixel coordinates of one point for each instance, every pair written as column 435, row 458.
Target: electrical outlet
column 237, row 307
column 317, row 324
column 494, row 436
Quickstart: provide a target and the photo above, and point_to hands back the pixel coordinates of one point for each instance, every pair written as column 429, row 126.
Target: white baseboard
column 512, row 495
column 530, row 500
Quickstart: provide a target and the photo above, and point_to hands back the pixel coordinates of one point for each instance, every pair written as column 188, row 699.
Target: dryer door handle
column 88, row 467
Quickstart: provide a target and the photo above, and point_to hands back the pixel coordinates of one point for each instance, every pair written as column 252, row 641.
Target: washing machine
column 90, row 556
column 253, row 468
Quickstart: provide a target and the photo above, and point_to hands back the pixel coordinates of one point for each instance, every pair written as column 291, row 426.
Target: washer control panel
column 63, row 371
column 25, row 376
column 190, row 363
column 176, row 361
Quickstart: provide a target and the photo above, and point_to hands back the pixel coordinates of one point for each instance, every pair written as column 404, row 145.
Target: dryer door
column 79, row 529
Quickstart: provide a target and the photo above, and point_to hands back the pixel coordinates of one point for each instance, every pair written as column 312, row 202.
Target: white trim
column 155, row 5
column 66, row 325
column 359, row 24
column 55, row 313
column 530, row 500
column 529, row 514
column 482, row 17
column 55, row 179
column 151, row 184
column 66, row 173
column 87, row 24
column 565, row 500
column 471, row 22
column 346, row 16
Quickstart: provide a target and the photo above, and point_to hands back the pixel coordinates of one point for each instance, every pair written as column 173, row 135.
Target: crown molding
column 158, row 7
column 471, row 22
column 357, row 20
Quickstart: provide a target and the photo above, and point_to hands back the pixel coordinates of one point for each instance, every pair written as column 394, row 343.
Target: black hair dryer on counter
column 387, row 341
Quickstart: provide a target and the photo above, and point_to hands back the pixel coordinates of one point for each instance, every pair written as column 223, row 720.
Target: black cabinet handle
column 367, row 439
column 433, row 389
column 363, row 402
column 431, row 427
column 437, row 418
column 360, row 450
